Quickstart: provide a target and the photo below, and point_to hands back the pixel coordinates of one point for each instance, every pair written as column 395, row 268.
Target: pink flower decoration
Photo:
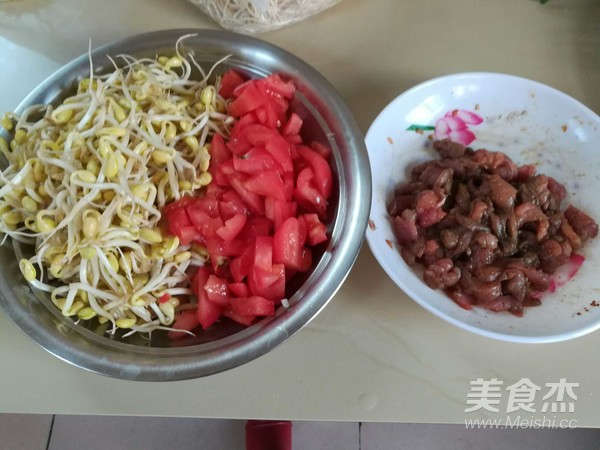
column 454, row 126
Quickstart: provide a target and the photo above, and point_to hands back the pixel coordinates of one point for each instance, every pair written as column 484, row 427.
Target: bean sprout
column 86, row 182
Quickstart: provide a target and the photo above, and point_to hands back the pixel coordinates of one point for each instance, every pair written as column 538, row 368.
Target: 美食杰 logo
column 553, row 400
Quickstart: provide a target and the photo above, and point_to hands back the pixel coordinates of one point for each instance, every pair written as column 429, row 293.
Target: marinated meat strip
column 450, row 150
column 584, row 225
column 487, row 231
column 502, row 194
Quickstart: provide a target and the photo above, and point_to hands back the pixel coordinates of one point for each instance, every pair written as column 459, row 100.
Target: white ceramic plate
column 532, row 123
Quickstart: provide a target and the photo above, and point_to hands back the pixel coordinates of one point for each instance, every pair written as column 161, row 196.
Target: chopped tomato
column 288, row 246
column 180, row 225
column 232, row 227
column 253, row 306
column 269, row 284
column 207, row 204
column 261, row 115
column 186, row 320
column 302, row 227
column 263, row 252
column 239, row 318
column 250, row 99
column 220, row 247
column 164, row 298
column 267, row 184
column 238, row 143
column 220, row 265
column 231, row 80
column 275, row 116
column 240, row 88
column 307, row 195
column 280, row 150
column 199, row 279
column 226, row 168
column 293, row 139
column 253, row 134
column 205, row 225
column 179, row 204
column 266, row 98
column 278, row 211
column 239, row 289
column 256, row 226
column 186, row 235
column 316, row 230
column 231, row 204
column 289, row 182
column 251, row 199
column 271, row 114
column 176, row 217
column 207, row 312
column 280, row 104
column 231, row 197
column 240, row 265
column 292, row 126
column 217, row 291
column 275, row 84
column 264, row 209
column 257, row 160
column 220, row 173
column 218, row 150
column 213, row 190
column 321, row 170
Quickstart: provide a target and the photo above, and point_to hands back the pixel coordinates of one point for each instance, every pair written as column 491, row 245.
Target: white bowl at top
column 530, row 122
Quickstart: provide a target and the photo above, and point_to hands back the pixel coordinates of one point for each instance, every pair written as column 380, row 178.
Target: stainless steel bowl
column 224, row 345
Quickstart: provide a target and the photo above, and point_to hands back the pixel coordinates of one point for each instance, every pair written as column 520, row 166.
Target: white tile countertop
column 372, row 354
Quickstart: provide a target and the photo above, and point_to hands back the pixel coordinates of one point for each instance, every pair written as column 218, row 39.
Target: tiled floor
column 43, row 432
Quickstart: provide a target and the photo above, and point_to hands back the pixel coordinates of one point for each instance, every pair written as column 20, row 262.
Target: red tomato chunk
column 186, row 321
column 263, row 211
